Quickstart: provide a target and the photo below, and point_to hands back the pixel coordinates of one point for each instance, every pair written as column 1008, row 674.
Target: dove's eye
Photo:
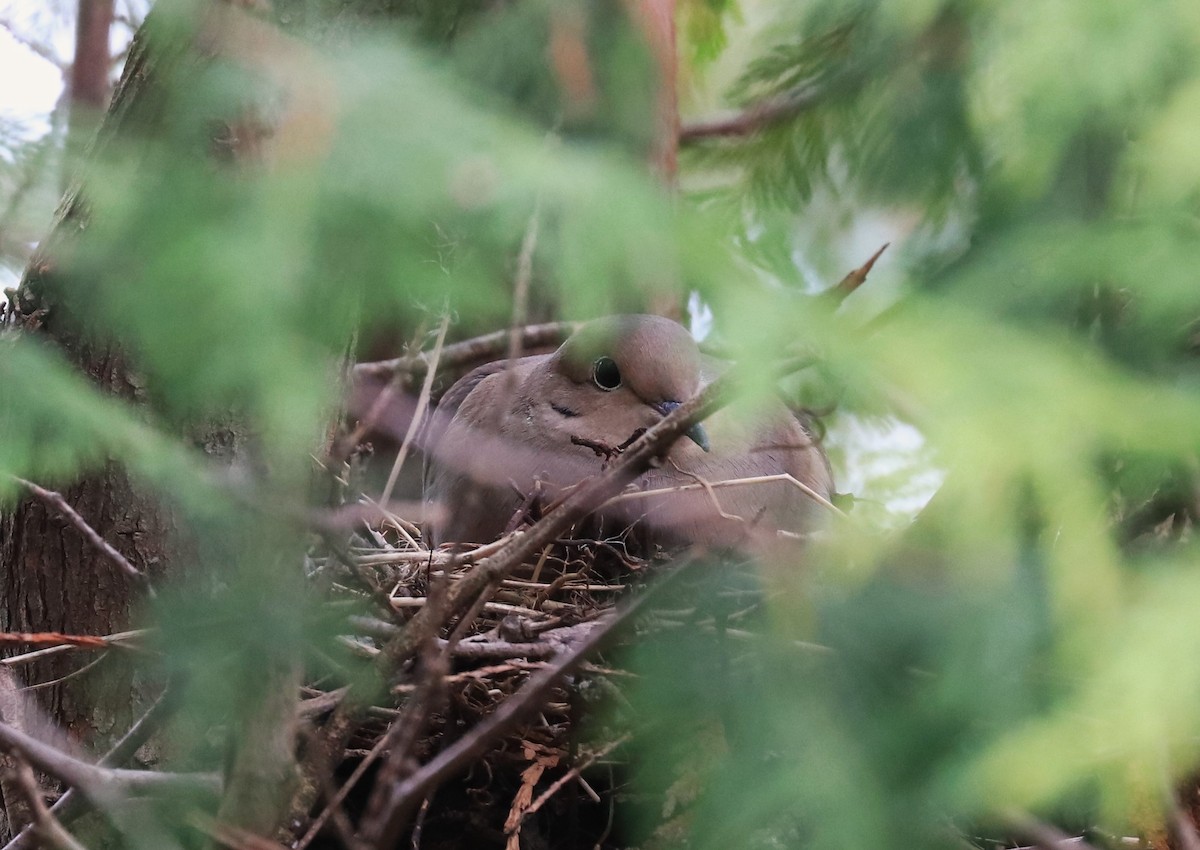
column 606, row 374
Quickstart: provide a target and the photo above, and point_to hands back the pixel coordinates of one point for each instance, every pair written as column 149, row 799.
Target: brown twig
column 57, row 502
column 52, row 639
column 837, row 294
column 102, row 784
column 540, row 760
column 404, row 732
column 418, row 416
column 481, row 349
column 575, row 771
column 754, row 119
column 521, row 287
column 71, row 804
column 116, row 639
column 44, row 823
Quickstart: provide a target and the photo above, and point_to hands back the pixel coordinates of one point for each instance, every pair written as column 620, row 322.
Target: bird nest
column 551, row 779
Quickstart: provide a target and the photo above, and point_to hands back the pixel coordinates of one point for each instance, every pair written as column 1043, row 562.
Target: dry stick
column 430, row 696
column 755, row 118
column 58, row 503
column 115, row 639
column 508, row 714
column 481, row 349
column 729, row 482
column 577, row 770
column 406, row 730
column 837, row 294
column 101, row 784
column 45, row 825
column 521, row 286
column 71, row 804
column 418, row 416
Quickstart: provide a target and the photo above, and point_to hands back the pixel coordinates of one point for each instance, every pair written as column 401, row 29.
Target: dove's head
column 619, row 375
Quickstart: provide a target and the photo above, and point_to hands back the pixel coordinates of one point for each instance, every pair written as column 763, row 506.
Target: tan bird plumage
column 499, row 434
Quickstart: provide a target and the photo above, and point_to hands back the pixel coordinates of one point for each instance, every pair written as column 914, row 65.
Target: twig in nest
column 540, row 760
column 520, row 296
column 404, row 796
column 574, row 772
column 56, row 502
column 44, row 823
column 481, row 349
column 418, row 416
column 634, row 495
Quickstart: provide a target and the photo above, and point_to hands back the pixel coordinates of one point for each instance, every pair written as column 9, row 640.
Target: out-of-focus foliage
column 1028, row 645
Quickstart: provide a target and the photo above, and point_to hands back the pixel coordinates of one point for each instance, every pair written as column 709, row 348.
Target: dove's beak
column 696, row 433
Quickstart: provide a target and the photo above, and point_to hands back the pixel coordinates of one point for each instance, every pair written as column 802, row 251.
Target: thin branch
column 418, row 416
column 44, row 823
column 521, row 286
column 56, row 502
column 101, row 784
column 837, row 294
column 72, row 804
column 481, row 349
column 755, row 118
column 729, row 482
column 406, row 730
column 52, row 639
column 116, row 639
column 575, row 771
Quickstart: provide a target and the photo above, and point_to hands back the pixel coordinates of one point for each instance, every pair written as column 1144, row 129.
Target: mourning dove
column 506, row 436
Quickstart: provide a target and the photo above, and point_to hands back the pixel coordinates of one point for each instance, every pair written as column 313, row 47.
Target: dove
column 508, row 437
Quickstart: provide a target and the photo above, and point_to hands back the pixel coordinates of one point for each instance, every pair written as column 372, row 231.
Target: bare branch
column 481, row 349
column 418, row 416
column 57, row 502
column 837, row 294
column 101, row 784
column 71, row 804
column 755, row 118
column 44, row 823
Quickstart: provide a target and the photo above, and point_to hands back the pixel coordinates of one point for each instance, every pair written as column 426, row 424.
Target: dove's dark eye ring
column 605, row 374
